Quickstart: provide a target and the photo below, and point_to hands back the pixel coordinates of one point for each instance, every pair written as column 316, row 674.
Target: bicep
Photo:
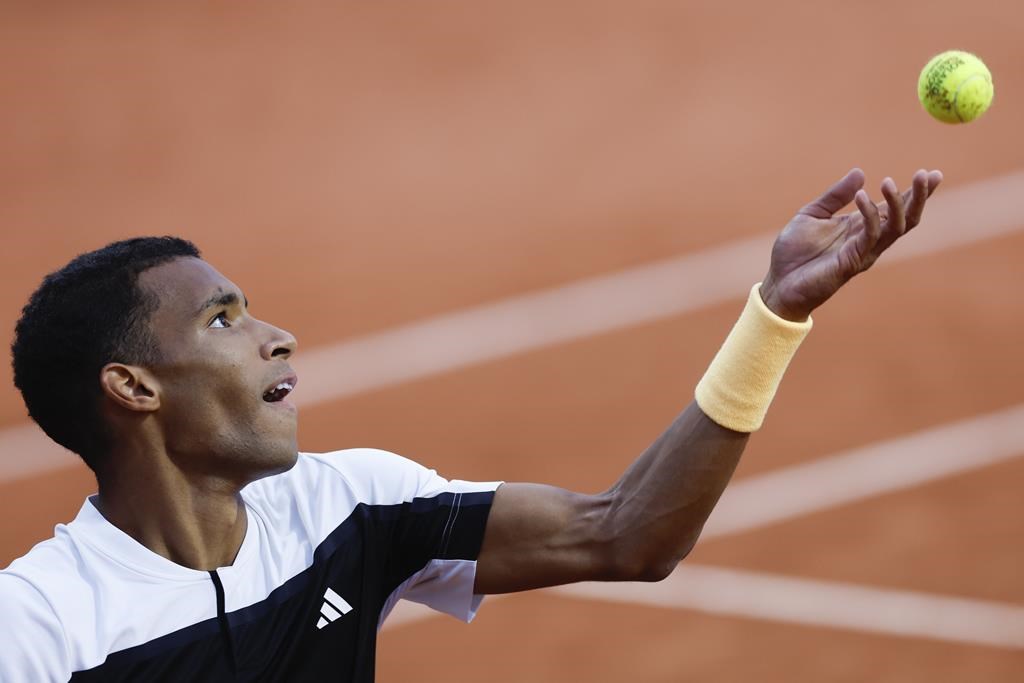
column 539, row 535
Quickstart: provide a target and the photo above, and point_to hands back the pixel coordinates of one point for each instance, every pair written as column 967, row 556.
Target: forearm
column 660, row 504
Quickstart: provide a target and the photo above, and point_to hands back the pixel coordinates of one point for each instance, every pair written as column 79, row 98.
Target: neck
column 195, row 521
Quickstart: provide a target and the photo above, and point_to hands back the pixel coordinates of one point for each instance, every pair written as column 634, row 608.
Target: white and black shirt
column 330, row 547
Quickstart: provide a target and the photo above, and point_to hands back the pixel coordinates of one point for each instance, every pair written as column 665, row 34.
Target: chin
column 285, row 460
column 271, row 462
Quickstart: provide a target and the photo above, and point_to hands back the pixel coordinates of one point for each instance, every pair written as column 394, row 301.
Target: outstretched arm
column 642, row 526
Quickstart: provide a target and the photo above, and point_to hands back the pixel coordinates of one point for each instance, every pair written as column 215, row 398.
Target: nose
column 280, row 344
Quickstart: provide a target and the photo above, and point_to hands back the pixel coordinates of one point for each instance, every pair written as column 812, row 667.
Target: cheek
column 215, row 385
column 229, row 391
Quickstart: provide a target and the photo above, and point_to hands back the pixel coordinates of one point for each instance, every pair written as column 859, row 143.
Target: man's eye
column 220, row 320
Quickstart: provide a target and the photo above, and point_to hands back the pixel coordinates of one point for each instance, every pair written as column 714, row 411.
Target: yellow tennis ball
column 955, row 87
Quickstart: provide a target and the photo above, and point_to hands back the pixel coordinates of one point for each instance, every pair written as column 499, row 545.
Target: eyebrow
column 221, row 298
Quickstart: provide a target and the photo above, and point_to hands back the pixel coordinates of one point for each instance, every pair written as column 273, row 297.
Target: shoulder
column 375, row 475
column 323, row 489
column 366, row 475
column 34, row 641
column 66, row 596
column 50, row 571
column 25, row 601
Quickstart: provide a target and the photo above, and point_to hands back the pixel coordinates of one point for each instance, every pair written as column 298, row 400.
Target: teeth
column 279, row 392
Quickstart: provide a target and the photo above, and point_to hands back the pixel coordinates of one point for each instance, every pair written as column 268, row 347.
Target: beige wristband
column 741, row 381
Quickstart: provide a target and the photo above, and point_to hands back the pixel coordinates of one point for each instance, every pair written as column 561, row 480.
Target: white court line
column 597, row 305
column 872, row 470
column 829, row 482
column 25, row 450
column 812, row 602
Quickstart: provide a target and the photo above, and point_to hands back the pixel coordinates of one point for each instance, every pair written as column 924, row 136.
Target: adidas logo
column 333, row 608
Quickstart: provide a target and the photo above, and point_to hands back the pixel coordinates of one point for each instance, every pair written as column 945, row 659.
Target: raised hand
column 818, row 252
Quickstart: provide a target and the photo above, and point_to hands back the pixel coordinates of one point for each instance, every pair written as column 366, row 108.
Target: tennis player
column 215, row 551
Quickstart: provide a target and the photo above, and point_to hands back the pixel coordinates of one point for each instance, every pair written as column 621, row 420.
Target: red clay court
column 510, row 239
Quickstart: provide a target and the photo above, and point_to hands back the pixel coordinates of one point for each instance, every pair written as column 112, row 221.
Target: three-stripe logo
column 333, row 608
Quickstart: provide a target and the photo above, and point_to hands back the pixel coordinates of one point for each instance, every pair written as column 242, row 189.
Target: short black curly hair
column 89, row 313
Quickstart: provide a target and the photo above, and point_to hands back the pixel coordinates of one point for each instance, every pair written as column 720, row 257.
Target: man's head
column 143, row 337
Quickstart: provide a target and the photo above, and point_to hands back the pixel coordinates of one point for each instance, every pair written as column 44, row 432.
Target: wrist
column 741, row 381
column 777, row 305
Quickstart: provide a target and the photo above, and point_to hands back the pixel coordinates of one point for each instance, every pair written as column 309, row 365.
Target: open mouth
column 277, row 392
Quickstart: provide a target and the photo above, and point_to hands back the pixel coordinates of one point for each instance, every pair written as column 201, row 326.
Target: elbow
column 647, row 570
column 651, row 564
column 648, row 550
column 654, row 572
column 661, row 566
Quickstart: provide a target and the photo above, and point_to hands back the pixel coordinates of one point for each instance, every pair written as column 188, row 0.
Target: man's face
column 222, row 376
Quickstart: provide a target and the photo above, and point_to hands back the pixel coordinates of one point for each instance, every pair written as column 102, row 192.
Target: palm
column 818, row 252
column 812, row 258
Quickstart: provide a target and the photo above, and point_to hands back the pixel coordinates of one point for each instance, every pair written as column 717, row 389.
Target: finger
column 915, row 198
column 836, row 197
column 895, row 222
column 924, row 185
column 932, row 181
column 872, row 223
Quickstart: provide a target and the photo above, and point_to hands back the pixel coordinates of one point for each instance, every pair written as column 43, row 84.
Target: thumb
column 836, row 197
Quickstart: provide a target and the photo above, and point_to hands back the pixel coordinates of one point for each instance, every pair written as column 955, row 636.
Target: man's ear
column 130, row 386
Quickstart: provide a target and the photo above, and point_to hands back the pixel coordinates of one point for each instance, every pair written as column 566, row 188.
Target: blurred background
column 466, row 212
